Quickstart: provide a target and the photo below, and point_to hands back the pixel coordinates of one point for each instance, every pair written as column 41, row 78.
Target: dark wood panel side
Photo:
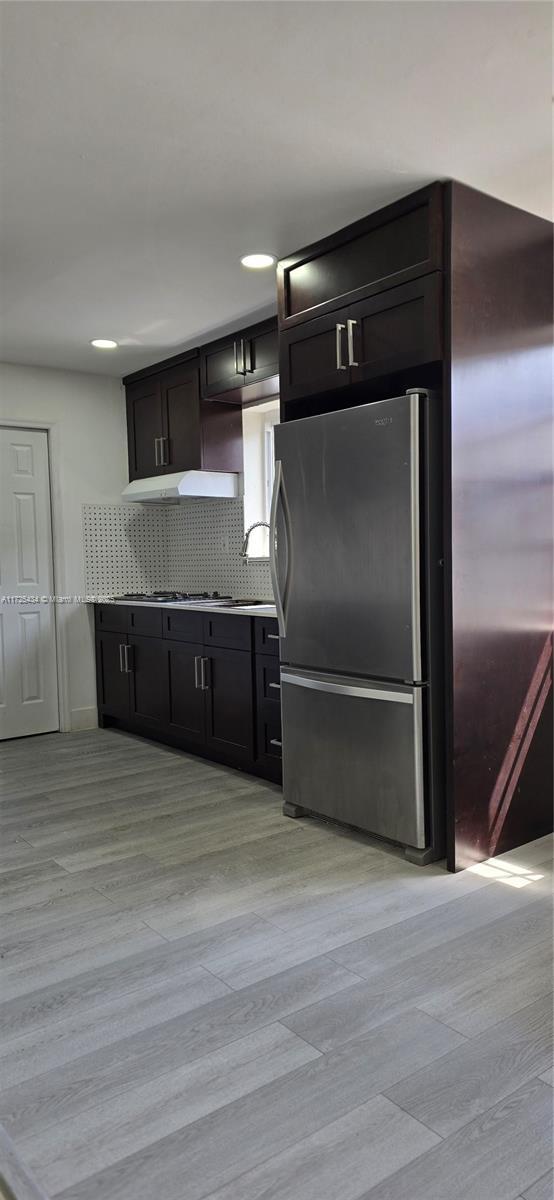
column 500, row 564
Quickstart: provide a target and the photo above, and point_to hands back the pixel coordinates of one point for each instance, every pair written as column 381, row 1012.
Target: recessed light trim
column 257, row 262
column 104, row 344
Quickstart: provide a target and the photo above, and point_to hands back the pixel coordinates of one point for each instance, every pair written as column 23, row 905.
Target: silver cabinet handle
column 272, row 637
column 338, row 347
column 350, row 327
column 128, row 669
column 204, row 670
column 164, row 458
column 197, row 670
column 275, row 742
column 156, row 452
column 276, row 685
column 121, row 656
column 240, row 368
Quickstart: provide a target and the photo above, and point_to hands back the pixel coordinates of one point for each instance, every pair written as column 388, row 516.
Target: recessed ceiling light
column 258, row 261
column 104, row 344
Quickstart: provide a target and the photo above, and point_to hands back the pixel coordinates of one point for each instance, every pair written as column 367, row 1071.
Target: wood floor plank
column 494, row 1156
column 453, row 1091
column 66, row 1152
column 543, row 1189
column 435, row 981
column 202, row 997
column 127, row 1052
column 339, row 1160
column 16, row 1180
column 215, row 1150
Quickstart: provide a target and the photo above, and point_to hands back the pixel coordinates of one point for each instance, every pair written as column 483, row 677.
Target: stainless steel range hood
column 171, row 489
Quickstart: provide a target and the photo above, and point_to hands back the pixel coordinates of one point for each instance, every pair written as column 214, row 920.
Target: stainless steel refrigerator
column 355, row 556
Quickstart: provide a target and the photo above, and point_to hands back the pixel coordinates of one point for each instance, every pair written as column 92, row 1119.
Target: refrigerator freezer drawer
column 353, row 751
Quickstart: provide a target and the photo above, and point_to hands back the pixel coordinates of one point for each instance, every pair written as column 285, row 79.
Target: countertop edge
column 260, row 610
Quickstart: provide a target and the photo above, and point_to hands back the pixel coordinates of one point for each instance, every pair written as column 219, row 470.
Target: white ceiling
column 148, row 145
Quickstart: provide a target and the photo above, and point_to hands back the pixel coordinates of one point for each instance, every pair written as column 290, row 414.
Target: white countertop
column 247, row 610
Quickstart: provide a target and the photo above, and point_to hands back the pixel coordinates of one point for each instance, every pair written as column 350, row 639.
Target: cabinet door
column 398, row 329
column 313, row 357
column 229, row 694
column 224, row 365
column 112, row 681
column 147, row 681
column 391, row 246
column 186, row 707
column 262, row 352
column 181, row 448
column 145, row 428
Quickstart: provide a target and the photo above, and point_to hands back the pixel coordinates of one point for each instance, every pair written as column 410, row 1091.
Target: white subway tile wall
column 194, row 546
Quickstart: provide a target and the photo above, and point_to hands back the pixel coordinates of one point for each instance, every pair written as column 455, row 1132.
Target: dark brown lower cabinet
column 220, row 701
column 268, row 708
column 229, row 701
column 147, row 676
column 186, row 715
column 111, row 680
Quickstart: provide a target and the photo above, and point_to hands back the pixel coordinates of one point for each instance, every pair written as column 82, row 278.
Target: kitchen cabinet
column 268, row 709
column 240, row 359
column 227, row 682
column 186, row 710
column 112, row 681
column 170, row 429
column 145, row 428
column 194, row 679
column 146, row 670
column 396, row 329
column 398, row 243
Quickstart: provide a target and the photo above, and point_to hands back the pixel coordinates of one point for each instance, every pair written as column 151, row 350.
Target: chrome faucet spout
column 256, row 525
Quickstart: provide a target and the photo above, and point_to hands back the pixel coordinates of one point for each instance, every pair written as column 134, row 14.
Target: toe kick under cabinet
column 203, row 681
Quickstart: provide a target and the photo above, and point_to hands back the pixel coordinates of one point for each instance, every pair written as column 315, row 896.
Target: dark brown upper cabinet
column 390, row 247
column 170, row 428
column 388, row 332
column 145, row 427
column 232, row 364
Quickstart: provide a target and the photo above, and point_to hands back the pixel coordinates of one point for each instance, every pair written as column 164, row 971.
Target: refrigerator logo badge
column 383, row 421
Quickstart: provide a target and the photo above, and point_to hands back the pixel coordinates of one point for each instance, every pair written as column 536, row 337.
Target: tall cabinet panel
column 499, row 540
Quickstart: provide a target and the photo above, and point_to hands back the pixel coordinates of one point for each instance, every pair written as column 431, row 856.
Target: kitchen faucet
column 256, row 525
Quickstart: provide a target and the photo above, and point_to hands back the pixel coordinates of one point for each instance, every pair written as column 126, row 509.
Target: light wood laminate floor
column 202, row 998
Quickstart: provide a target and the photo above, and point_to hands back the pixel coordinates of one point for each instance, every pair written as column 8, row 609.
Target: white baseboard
column 83, row 718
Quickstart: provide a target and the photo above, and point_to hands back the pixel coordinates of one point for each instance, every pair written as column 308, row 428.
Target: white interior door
column 28, row 680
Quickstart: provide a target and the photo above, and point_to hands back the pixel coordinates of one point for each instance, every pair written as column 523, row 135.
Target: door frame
column 53, row 448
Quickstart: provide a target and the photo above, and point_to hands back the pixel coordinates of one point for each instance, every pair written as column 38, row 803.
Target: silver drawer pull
column 275, row 742
column 276, row 685
column 196, row 671
column 338, row 347
column 121, row 656
column 272, row 637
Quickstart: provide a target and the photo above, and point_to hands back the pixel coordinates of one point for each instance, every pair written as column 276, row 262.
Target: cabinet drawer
column 147, row 622
column 112, row 617
column 182, row 626
column 270, row 737
column 266, row 635
column 268, row 679
column 229, row 632
column 397, row 243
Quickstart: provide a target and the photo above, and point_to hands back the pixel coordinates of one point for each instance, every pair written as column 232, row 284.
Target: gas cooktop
column 192, row 598
column 177, row 597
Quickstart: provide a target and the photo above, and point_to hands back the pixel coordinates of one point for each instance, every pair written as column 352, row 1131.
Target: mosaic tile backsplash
column 194, row 546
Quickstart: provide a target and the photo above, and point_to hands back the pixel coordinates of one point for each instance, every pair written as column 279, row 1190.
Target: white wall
column 85, row 418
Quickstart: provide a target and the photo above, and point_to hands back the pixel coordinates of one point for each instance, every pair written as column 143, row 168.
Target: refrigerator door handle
column 276, row 502
column 415, row 535
column 347, row 689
